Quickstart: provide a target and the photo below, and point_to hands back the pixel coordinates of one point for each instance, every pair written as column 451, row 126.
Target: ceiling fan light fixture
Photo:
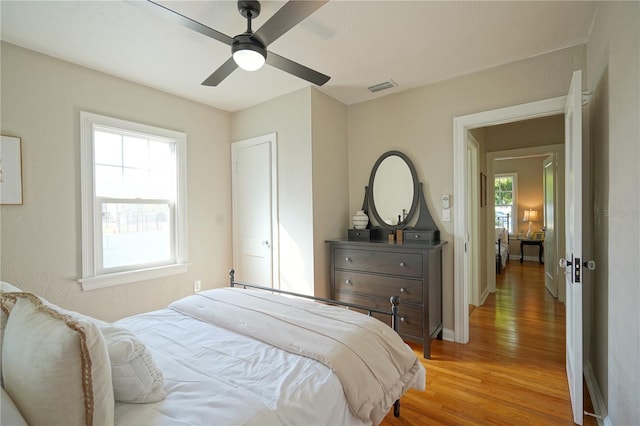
column 248, row 53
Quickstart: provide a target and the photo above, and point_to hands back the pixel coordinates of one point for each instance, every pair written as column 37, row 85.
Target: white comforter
column 216, row 377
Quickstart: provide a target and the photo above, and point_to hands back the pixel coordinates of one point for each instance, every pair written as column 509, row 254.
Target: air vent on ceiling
column 382, row 86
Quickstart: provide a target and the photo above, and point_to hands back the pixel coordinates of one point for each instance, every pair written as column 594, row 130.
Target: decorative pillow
column 10, row 415
column 56, row 367
column 5, row 308
column 136, row 378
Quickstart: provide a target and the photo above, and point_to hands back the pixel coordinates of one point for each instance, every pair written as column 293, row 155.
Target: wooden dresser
column 368, row 273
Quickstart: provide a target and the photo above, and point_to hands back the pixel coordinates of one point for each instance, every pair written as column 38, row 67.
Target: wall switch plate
column 197, row 285
column 445, row 201
column 446, row 215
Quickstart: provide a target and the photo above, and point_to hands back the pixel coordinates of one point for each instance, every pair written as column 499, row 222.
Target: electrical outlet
column 446, row 215
column 197, row 284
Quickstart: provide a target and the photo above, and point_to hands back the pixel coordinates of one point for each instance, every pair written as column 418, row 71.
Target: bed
column 501, row 243
column 230, row 356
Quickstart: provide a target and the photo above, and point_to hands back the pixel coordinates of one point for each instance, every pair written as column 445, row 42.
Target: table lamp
column 530, row 215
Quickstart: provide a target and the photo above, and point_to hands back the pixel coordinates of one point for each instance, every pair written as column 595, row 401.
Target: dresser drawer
column 421, row 236
column 410, row 316
column 405, row 264
column 409, row 290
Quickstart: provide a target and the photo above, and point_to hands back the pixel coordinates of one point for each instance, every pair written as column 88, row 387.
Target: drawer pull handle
column 403, row 290
column 402, row 264
column 348, row 282
column 402, row 319
column 416, row 236
column 347, row 259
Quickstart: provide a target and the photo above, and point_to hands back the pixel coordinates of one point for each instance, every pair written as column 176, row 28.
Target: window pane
column 107, row 148
column 108, row 181
column 135, row 234
column 136, row 183
column 135, row 152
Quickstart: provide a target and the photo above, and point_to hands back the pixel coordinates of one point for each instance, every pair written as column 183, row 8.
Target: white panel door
column 550, row 264
column 255, row 210
column 573, row 254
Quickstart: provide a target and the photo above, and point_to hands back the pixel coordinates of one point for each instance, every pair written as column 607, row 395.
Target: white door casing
column 254, row 210
column 473, row 246
column 549, row 168
column 573, row 241
column 461, row 125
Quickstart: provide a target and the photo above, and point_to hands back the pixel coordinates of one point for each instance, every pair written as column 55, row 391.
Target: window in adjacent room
column 505, row 200
column 133, row 201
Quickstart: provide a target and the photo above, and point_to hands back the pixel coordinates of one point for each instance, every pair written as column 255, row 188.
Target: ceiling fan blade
column 221, row 73
column 296, row 69
column 287, row 17
column 173, row 16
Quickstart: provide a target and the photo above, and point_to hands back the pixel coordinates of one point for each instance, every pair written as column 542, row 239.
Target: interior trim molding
column 597, row 400
column 461, row 125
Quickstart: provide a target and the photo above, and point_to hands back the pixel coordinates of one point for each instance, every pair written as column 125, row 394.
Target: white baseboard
column 484, row 295
column 599, row 405
column 448, row 335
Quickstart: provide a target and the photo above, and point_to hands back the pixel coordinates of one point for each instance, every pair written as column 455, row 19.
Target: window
column 133, row 201
column 505, row 201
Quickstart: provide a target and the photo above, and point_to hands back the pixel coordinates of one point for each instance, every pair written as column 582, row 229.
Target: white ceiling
column 357, row 43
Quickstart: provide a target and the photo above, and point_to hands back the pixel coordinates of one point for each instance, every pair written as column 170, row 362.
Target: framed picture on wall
column 10, row 170
column 483, row 190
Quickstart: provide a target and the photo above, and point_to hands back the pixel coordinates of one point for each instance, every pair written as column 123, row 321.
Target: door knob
column 590, row 265
column 564, row 262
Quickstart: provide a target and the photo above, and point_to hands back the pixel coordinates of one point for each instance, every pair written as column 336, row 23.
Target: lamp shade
column 530, row 215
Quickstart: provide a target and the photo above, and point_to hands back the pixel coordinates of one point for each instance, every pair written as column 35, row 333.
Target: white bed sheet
column 222, row 378
column 502, row 244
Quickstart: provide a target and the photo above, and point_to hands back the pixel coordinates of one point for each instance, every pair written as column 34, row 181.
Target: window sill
column 111, row 280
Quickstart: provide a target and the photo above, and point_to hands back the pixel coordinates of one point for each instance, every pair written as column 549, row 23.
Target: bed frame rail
column 394, row 312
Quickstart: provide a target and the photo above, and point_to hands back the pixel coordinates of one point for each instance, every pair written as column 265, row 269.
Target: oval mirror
column 393, row 187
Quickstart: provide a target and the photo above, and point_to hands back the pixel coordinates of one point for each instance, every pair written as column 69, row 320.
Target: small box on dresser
column 359, row 234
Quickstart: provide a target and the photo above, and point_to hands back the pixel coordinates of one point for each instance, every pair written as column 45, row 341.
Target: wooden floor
column 512, row 372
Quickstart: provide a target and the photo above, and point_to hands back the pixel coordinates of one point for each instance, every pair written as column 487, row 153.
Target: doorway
column 255, row 210
column 529, row 165
column 462, row 125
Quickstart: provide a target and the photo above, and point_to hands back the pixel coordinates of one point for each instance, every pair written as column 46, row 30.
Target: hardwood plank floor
column 512, row 372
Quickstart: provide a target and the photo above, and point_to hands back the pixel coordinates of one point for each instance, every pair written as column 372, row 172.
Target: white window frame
column 513, row 220
column 93, row 278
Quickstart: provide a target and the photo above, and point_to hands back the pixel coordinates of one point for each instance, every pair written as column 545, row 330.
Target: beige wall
column 289, row 116
column 312, row 180
column 522, row 134
column 330, row 178
column 613, row 68
column 40, row 240
column 420, row 123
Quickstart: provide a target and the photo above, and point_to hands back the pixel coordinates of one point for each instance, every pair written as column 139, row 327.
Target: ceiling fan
column 249, row 49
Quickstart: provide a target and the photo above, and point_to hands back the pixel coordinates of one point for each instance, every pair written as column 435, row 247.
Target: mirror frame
column 416, row 188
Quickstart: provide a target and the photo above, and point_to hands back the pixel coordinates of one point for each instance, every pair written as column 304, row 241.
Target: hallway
column 512, row 372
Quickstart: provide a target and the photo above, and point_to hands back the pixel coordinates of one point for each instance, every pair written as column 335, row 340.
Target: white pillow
column 5, row 308
column 6, row 287
column 9, row 414
column 56, row 368
column 136, row 378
